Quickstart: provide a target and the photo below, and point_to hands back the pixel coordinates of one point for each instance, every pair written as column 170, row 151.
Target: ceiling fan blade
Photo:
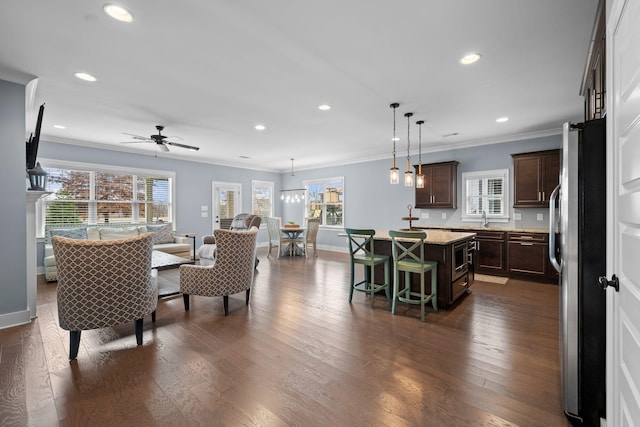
column 134, row 136
column 163, row 147
column 188, row 147
column 136, row 142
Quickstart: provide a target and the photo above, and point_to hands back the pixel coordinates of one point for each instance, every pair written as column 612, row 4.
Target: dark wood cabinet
column 594, row 83
column 490, row 252
column 440, row 190
column 527, row 253
column 535, row 175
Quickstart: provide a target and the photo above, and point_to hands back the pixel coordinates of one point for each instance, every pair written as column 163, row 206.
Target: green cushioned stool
column 404, row 244
column 362, row 252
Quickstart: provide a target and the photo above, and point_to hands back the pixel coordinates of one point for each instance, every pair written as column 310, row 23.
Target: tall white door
column 227, row 203
column 623, row 230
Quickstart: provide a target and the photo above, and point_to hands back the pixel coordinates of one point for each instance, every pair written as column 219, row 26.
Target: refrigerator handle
column 552, row 229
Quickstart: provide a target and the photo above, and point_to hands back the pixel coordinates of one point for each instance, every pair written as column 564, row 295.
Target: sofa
column 244, row 221
column 164, row 239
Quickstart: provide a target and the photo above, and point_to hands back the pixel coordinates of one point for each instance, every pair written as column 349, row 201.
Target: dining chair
column 277, row 239
column 404, row 245
column 362, row 251
column 313, row 225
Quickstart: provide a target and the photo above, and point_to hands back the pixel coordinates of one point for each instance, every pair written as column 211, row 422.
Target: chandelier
column 294, row 195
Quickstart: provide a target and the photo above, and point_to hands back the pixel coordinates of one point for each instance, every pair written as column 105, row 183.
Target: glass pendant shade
column 408, row 175
column 420, row 178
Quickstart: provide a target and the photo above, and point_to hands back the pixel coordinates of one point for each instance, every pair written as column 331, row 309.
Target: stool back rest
column 402, row 248
column 360, row 242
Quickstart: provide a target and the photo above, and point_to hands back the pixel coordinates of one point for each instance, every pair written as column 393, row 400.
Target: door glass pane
column 226, row 206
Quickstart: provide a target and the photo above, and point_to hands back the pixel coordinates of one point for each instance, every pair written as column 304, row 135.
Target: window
column 262, row 198
column 485, row 191
column 325, row 200
column 91, row 194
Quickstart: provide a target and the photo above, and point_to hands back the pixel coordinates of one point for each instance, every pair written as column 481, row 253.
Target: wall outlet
column 444, row 215
column 425, row 215
column 517, row 216
column 540, row 217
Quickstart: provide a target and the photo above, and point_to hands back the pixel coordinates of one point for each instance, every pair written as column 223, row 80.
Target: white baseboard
column 17, row 318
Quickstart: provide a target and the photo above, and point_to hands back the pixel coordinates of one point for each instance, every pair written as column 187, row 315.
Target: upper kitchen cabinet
column 594, row 80
column 535, row 175
column 440, row 189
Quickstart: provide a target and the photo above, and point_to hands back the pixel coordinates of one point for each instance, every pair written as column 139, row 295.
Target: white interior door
column 623, row 230
column 227, row 203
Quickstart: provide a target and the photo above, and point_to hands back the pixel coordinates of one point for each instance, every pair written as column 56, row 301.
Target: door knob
column 614, row 282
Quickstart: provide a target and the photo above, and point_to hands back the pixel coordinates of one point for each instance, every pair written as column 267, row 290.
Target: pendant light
column 394, row 173
column 420, row 178
column 293, row 195
column 408, row 175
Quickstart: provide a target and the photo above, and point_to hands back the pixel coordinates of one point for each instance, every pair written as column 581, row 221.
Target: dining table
column 293, row 234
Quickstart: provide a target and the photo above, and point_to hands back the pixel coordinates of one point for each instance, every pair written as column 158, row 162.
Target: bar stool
column 362, row 252
column 404, row 259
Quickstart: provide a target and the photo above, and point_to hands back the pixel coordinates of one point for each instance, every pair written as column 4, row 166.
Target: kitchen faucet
column 485, row 222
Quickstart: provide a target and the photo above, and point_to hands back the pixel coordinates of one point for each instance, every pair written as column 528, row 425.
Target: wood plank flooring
column 299, row 355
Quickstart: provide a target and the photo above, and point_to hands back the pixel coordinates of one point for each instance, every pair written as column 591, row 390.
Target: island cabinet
column 490, row 254
column 527, row 254
column 535, row 175
column 440, row 190
column 450, row 250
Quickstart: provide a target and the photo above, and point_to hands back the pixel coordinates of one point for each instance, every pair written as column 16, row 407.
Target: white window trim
column 496, row 173
column 83, row 166
column 306, row 182
column 257, row 183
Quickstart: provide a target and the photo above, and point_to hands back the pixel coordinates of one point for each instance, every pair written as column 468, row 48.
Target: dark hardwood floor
column 299, row 354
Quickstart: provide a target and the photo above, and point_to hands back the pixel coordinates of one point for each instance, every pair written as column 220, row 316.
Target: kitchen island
column 452, row 252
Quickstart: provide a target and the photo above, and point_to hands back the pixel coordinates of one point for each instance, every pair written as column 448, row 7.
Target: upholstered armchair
column 102, row 283
column 231, row 273
column 244, row 221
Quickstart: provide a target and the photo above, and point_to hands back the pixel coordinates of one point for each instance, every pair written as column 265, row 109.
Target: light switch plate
column 204, row 214
column 204, row 208
column 540, row 217
column 444, row 215
column 517, row 216
column 425, row 215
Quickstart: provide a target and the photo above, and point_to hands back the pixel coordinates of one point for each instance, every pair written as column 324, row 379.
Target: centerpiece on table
column 291, row 224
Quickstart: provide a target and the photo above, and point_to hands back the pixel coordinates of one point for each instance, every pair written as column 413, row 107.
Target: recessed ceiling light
column 324, row 107
column 469, row 58
column 118, row 12
column 59, row 127
column 502, row 119
column 395, row 139
column 85, row 77
column 260, row 127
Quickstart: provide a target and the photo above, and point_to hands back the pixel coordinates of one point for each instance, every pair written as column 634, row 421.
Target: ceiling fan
column 160, row 139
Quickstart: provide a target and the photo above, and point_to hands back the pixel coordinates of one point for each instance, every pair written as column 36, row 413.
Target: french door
column 227, row 203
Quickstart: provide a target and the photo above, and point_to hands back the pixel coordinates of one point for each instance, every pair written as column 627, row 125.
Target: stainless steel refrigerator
column 577, row 249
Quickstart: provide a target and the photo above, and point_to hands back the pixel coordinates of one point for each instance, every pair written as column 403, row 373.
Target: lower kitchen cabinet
column 490, row 252
column 527, row 254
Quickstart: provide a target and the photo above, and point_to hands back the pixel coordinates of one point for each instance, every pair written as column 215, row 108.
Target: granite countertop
column 480, row 228
column 434, row 237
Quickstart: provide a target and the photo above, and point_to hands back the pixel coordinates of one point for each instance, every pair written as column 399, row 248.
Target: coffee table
column 164, row 261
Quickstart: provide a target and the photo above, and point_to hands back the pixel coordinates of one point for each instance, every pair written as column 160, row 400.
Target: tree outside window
column 262, row 198
column 325, row 201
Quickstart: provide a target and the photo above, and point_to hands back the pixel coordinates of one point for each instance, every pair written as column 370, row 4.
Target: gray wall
column 370, row 201
column 13, row 264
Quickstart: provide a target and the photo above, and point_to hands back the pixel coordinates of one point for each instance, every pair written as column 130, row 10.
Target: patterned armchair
column 244, row 221
column 103, row 283
column 232, row 272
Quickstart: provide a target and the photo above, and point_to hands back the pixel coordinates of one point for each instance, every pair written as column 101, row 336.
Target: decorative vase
column 37, row 178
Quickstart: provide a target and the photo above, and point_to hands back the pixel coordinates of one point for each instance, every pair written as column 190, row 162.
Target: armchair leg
column 225, row 303
column 247, row 299
column 185, row 298
column 74, row 344
column 153, row 316
column 139, row 331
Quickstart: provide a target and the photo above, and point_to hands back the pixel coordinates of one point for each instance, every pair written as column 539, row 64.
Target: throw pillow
column 162, row 233
column 109, row 233
column 70, row 233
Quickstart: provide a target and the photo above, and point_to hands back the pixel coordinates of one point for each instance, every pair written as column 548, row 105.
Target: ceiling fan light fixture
column 118, row 13
column 470, row 58
column 85, row 76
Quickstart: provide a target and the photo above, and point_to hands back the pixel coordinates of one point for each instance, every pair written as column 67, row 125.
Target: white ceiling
column 209, row 71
